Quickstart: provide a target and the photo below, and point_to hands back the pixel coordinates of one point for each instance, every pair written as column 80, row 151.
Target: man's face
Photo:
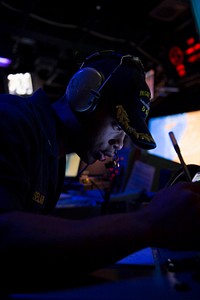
column 104, row 136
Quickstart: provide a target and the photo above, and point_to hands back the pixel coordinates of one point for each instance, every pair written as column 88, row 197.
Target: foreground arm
column 49, row 244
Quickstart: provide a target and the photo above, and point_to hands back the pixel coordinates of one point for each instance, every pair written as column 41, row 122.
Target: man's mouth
column 103, row 155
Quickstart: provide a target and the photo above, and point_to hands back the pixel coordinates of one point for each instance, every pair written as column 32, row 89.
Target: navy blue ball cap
column 132, row 105
column 128, row 94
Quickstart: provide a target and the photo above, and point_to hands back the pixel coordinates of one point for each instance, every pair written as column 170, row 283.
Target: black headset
column 85, row 87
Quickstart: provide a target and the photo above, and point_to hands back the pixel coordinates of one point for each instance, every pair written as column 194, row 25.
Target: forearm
column 102, row 240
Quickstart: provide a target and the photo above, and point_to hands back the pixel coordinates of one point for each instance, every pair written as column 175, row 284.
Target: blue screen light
column 4, row 62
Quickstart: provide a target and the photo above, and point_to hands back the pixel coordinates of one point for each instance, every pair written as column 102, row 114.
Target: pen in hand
column 178, row 151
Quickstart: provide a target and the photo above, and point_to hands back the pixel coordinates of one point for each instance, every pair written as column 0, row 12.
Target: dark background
column 48, row 38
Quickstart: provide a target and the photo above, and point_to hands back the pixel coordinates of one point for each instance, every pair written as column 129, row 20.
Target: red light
column 193, row 49
column 197, row 47
column 176, row 56
column 181, row 70
column 189, row 51
column 194, row 58
column 190, row 41
column 184, row 56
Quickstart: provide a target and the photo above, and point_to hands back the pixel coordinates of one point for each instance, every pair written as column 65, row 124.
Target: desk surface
column 127, row 281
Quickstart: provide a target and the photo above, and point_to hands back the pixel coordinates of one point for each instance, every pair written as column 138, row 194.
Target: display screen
column 72, row 165
column 186, row 129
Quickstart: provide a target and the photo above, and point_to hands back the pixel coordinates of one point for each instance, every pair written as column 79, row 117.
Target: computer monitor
column 72, row 165
column 186, row 129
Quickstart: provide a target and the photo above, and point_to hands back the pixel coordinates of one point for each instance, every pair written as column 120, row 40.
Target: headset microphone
column 114, row 163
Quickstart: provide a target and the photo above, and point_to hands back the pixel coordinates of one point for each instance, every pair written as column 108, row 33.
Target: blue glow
column 195, row 4
column 4, row 62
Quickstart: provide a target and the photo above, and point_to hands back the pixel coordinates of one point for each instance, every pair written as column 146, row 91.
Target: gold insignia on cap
column 123, row 119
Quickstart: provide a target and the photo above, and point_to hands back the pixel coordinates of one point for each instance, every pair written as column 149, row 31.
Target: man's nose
column 119, row 141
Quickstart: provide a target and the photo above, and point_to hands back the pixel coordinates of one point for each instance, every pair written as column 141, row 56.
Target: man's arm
column 48, row 244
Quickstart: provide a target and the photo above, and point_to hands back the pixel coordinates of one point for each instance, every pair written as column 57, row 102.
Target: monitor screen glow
column 186, row 129
column 72, row 165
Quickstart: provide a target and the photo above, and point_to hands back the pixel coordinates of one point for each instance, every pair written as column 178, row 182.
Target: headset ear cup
column 82, row 90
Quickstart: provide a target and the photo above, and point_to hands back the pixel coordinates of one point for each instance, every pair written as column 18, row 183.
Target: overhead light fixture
column 20, row 84
column 5, row 62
